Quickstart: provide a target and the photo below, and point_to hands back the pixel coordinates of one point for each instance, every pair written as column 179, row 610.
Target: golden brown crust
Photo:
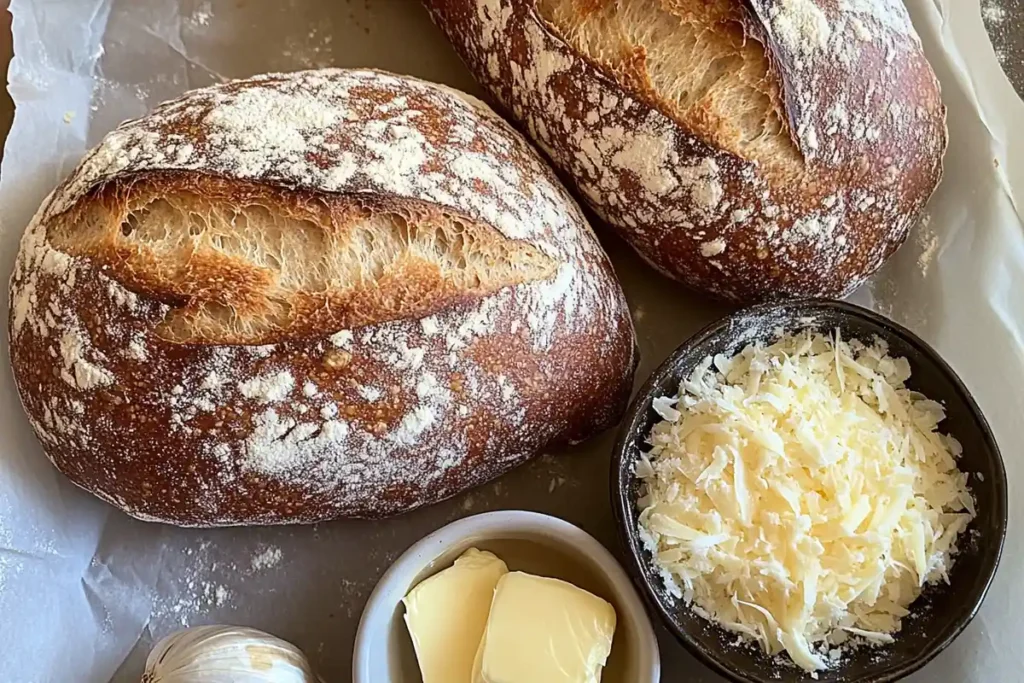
column 366, row 421
column 812, row 207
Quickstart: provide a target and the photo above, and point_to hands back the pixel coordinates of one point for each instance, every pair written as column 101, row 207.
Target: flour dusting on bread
column 311, row 295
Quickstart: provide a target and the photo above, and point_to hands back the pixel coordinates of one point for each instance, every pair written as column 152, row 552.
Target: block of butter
column 447, row 613
column 543, row 630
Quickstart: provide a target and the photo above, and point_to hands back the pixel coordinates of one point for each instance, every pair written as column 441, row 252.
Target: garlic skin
column 226, row 654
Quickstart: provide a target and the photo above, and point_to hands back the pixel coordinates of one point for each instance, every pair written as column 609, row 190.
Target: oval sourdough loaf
column 753, row 150
column 305, row 296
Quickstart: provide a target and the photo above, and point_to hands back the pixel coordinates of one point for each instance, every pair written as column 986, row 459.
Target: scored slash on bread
column 751, row 149
column 306, row 296
column 252, row 264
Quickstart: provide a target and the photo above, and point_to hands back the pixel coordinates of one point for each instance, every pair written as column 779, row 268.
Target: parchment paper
column 84, row 590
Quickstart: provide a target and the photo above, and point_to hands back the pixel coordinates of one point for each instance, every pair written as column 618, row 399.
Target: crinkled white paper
column 84, row 591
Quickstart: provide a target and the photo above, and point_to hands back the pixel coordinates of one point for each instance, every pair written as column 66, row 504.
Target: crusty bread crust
column 847, row 120
column 356, row 411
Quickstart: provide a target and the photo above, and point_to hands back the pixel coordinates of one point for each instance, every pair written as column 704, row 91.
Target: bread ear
column 244, row 263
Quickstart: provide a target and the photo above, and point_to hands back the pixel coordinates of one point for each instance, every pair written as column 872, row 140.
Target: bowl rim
column 381, row 604
column 622, row 508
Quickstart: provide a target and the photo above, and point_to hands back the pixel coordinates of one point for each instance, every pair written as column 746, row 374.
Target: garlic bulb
column 226, row 654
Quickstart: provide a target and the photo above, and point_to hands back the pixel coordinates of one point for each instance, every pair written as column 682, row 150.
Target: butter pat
column 544, row 630
column 447, row 614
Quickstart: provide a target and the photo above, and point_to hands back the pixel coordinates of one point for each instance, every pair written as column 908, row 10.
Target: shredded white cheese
column 799, row 494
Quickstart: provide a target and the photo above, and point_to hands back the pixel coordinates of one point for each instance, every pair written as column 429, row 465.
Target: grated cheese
column 799, row 494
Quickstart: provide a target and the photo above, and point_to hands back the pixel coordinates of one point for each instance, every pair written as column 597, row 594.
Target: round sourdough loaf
column 306, row 296
column 751, row 149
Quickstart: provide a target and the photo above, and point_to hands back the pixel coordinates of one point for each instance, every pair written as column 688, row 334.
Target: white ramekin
column 383, row 649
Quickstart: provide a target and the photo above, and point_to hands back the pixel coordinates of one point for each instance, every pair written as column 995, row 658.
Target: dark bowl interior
column 942, row 612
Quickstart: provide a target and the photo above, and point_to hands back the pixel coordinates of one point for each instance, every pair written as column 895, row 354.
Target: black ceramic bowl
column 942, row 612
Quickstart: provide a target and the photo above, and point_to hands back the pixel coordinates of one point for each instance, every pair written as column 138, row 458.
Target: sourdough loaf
column 305, row 296
column 752, row 150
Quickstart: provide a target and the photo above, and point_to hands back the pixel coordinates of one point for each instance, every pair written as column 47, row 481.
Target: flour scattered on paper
column 352, row 596
column 195, row 594
column 312, row 52
column 555, row 470
column 556, row 482
column 202, row 15
column 929, row 243
column 267, row 558
column 197, row 598
column 14, row 553
column 6, row 562
column 930, row 247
